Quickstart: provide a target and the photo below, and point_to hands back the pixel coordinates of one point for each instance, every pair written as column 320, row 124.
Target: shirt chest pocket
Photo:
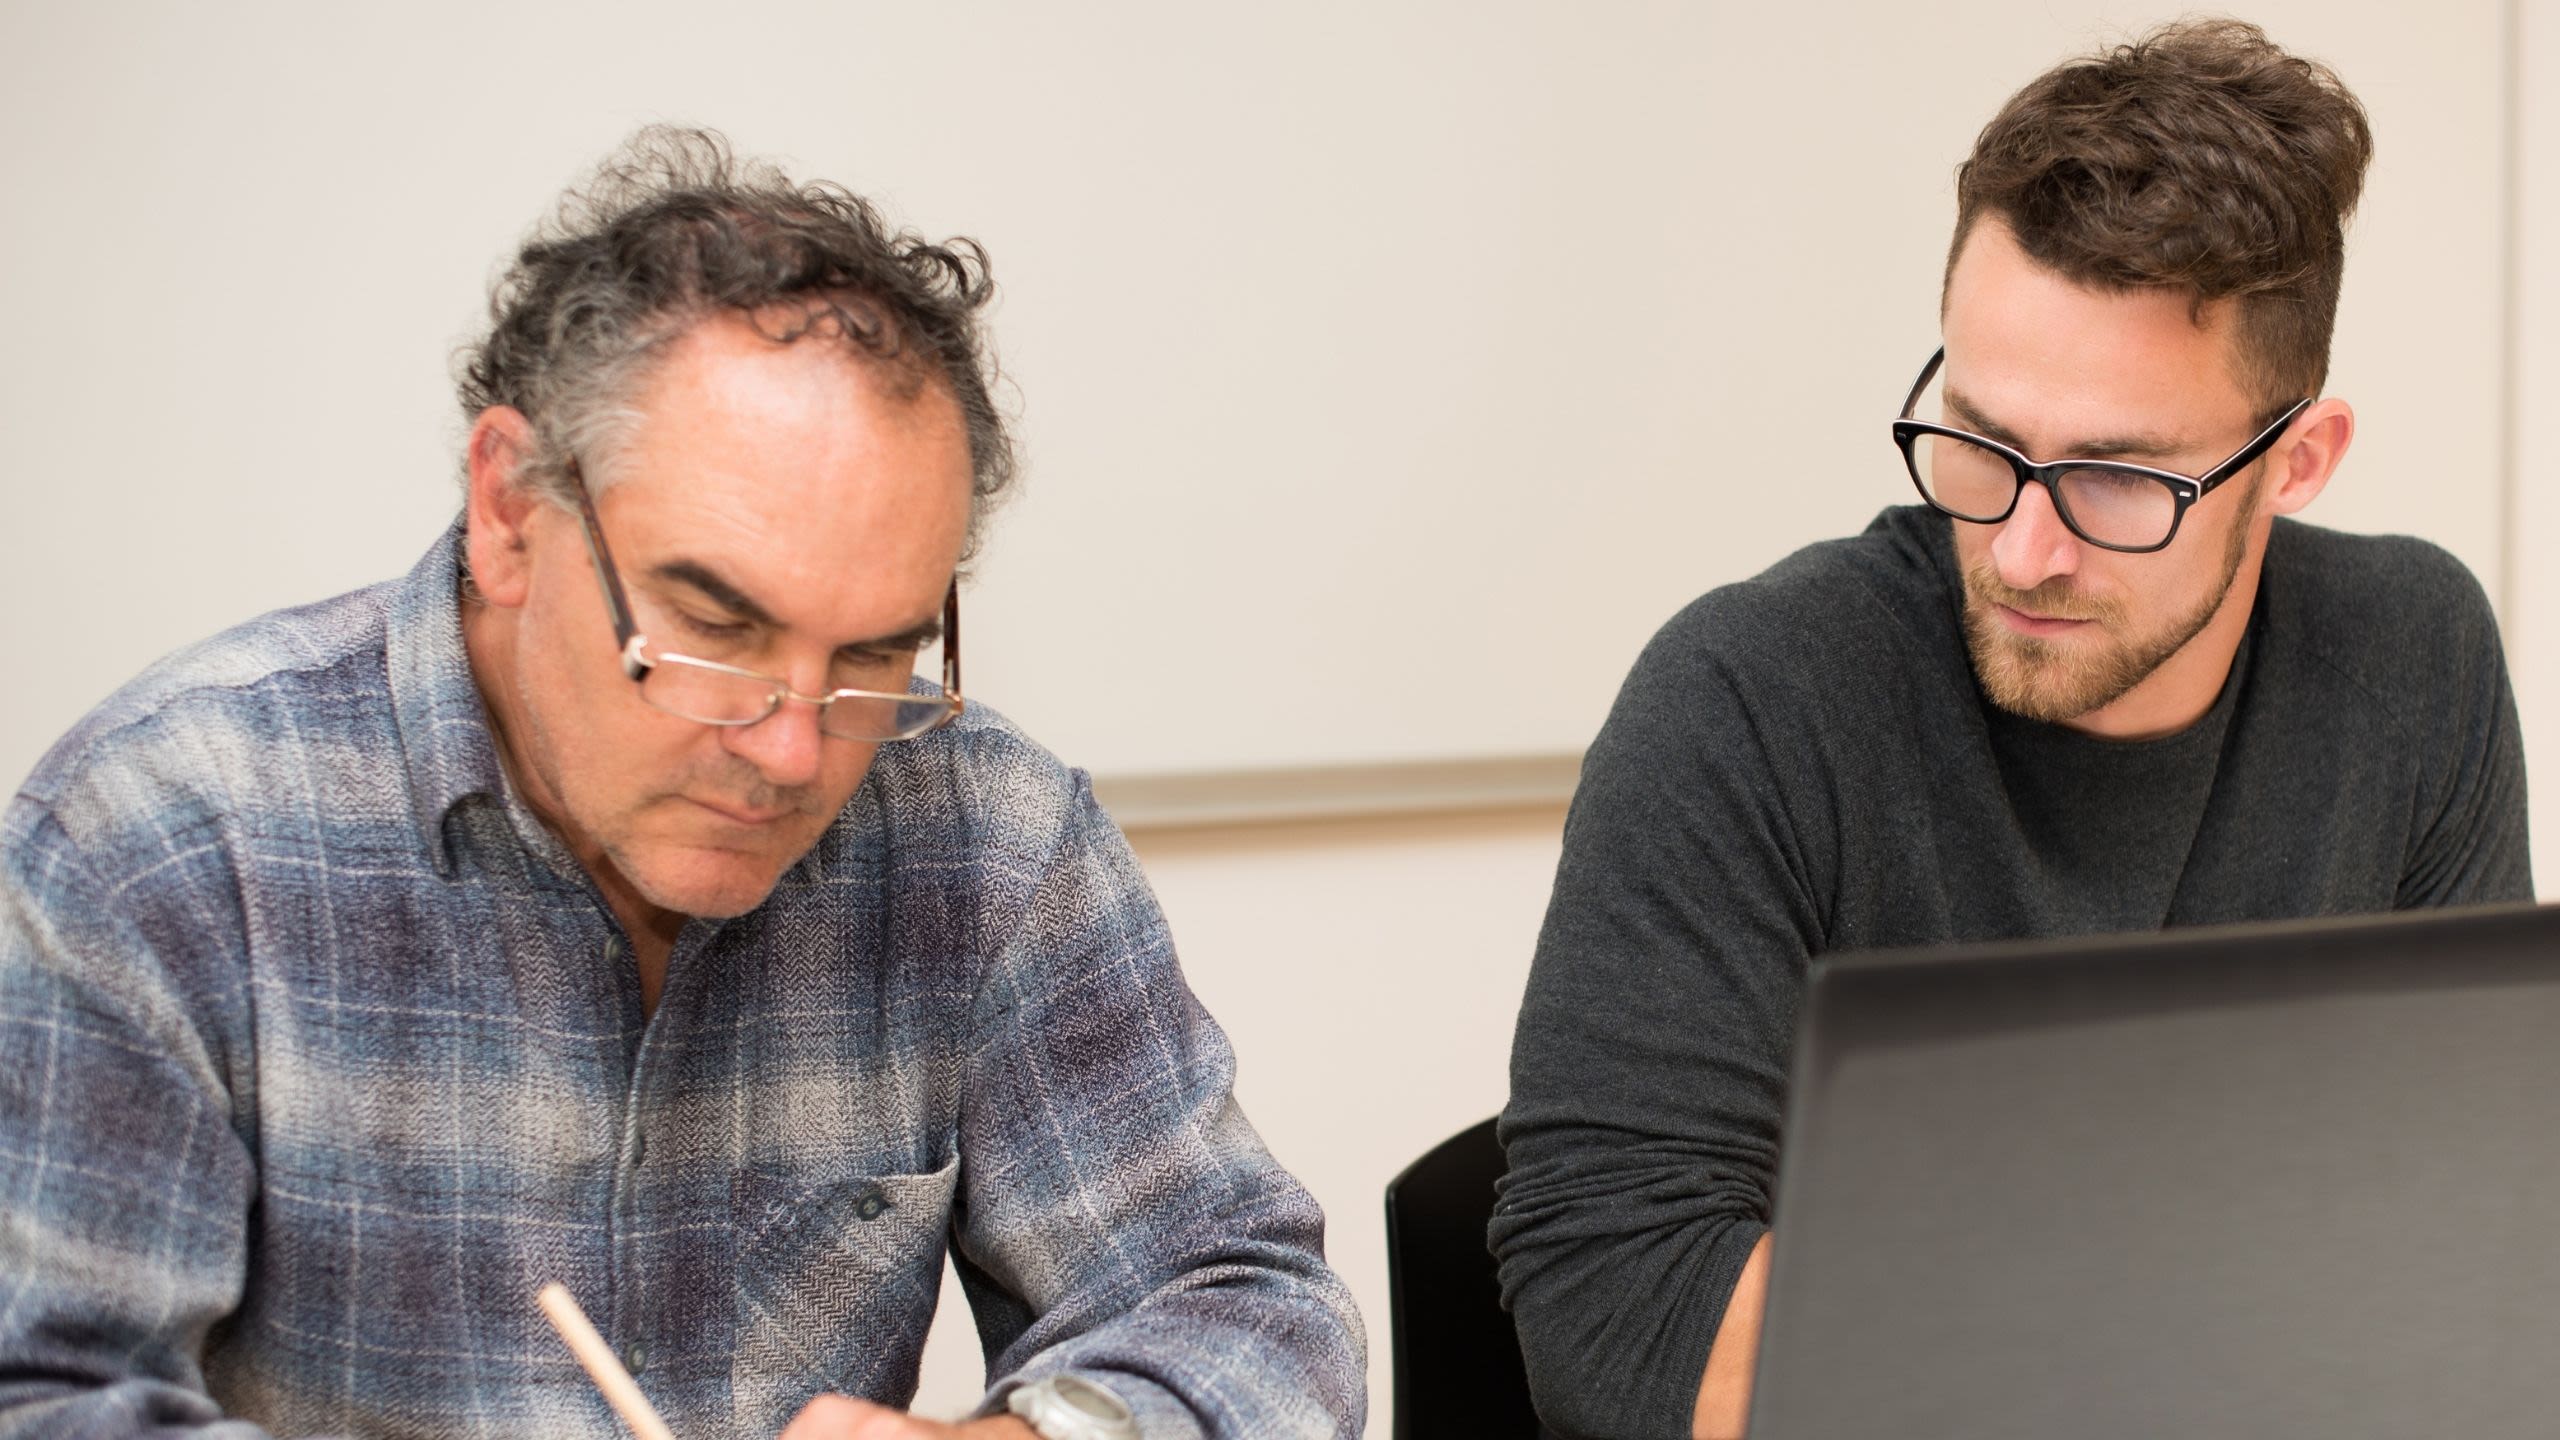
column 836, row 1287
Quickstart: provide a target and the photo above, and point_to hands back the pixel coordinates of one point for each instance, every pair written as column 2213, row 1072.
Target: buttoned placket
column 634, row 1316
column 624, row 1204
column 592, row 967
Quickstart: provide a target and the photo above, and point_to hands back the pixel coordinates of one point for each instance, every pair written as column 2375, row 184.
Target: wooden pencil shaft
column 620, row 1390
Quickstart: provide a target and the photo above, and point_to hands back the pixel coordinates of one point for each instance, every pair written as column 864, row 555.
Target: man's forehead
column 761, row 473
column 2010, row 319
column 734, row 365
column 2033, row 357
column 794, row 432
column 746, row 527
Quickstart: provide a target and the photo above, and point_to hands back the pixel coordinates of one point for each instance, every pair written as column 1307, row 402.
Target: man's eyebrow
column 2135, row 447
column 914, row 637
column 737, row 602
column 720, row 592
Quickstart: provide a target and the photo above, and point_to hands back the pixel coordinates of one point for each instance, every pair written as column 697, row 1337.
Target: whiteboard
column 1385, row 373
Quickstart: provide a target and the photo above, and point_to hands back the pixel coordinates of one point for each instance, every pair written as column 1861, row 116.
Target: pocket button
column 871, row 1206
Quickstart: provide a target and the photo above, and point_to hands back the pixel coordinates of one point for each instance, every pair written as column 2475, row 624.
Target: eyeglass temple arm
column 1926, row 372
column 625, row 633
column 951, row 639
column 2250, row 452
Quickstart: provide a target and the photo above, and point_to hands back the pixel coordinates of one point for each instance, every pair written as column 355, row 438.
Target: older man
column 608, row 902
column 2098, row 681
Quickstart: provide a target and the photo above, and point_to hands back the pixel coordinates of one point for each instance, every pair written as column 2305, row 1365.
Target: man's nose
column 2033, row 545
column 785, row 746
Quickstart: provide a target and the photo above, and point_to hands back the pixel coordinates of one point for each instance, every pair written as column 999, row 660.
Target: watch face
column 1062, row 1407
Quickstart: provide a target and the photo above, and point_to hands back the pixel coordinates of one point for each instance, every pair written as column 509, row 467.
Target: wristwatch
column 1063, row 1407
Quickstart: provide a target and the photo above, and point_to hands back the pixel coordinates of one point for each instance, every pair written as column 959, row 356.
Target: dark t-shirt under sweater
column 1804, row 763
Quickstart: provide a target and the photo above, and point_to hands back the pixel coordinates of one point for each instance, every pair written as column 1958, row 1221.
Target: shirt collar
column 444, row 728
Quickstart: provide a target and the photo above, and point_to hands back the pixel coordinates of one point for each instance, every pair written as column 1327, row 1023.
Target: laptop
column 2267, row 1181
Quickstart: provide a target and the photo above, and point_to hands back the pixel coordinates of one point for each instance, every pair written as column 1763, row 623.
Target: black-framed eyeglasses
column 712, row 693
column 2112, row 504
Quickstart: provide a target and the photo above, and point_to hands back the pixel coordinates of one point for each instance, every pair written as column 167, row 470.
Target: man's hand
column 841, row 1417
column 1724, row 1395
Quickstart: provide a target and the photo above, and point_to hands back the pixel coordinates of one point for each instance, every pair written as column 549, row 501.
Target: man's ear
column 2307, row 458
column 498, row 508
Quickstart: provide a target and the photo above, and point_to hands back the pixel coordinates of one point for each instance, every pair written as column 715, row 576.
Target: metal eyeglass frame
column 2184, row 490
column 637, row 664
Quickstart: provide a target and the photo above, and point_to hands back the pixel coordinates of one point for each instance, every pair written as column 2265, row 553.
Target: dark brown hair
column 2199, row 158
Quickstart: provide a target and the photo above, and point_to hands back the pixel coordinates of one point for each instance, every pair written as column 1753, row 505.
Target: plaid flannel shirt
column 318, row 1055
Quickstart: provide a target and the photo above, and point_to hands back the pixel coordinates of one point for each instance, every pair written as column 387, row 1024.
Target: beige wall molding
column 1333, row 792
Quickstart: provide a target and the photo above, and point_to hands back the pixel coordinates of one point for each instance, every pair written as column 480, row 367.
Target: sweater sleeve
column 2468, row 842
column 1649, row 1068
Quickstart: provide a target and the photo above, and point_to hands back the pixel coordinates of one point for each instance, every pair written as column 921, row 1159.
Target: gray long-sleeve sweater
column 1803, row 763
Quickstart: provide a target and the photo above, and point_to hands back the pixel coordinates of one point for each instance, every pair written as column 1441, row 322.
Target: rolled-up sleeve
column 1119, row 1217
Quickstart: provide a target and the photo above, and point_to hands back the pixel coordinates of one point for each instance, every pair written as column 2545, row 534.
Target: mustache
column 736, row 783
column 2056, row 599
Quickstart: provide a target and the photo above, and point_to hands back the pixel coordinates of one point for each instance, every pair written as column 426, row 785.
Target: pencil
column 620, row 1390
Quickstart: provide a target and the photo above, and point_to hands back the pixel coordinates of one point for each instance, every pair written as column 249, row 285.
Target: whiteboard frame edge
column 1260, row 796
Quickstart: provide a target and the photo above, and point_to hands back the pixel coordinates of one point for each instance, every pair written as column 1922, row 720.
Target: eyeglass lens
column 720, row 697
column 2110, row 507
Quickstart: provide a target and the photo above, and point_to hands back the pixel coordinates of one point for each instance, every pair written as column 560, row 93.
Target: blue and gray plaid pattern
column 318, row 1055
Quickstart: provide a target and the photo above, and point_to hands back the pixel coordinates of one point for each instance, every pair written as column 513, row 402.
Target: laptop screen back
column 2299, row 1180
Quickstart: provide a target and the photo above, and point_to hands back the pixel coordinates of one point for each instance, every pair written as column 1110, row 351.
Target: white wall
column 1388, row 370
column 2533, row 532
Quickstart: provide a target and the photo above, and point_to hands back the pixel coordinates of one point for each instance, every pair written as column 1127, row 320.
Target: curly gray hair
column 673, row 229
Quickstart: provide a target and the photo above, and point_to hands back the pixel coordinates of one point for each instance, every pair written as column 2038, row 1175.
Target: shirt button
column 612, row 949
column 635, row 1357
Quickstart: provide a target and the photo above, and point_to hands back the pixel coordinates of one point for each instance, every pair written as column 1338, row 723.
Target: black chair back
column 1457, row 1359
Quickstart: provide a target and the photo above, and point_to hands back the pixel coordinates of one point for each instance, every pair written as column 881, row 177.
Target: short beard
column 2039, row 681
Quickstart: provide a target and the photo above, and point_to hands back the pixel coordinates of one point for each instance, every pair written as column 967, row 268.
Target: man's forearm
column 1724, row 1394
